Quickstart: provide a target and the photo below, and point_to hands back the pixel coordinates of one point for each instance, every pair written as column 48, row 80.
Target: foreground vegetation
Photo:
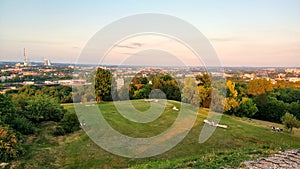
column 244, row 139
column 39, row 128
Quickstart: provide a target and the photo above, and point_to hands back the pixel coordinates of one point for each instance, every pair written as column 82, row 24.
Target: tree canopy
column 259, row 86
column 103, row 82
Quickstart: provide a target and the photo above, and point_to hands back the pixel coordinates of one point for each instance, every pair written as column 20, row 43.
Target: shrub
column 10, row 147
column 23, row 125
column 43, row 108
column 59, row 131
column 68, row 124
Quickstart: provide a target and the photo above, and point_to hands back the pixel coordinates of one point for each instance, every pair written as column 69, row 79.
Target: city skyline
column 243, row 33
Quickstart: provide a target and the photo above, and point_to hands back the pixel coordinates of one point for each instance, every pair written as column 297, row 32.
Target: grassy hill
column 244, row 139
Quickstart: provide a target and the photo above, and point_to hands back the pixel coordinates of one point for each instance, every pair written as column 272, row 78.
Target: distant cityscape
column 16, row 74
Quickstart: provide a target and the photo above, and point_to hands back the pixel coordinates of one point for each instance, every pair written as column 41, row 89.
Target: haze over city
column 247, row 33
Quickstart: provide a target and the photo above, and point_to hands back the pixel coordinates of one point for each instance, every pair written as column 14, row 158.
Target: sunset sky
column 243, row 32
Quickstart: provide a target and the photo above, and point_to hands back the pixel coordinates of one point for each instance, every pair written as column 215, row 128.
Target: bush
column 10, row 147
column 247, row 108
column 23, row 125
column 68, row 124
column 59, row 131
column 43, row 108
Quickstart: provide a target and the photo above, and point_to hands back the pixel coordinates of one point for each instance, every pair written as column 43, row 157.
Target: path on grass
column 289, row 159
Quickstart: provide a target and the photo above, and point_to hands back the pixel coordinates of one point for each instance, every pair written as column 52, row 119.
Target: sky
column 242, row 32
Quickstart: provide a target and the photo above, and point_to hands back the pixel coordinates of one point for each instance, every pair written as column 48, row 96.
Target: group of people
column 277, row 129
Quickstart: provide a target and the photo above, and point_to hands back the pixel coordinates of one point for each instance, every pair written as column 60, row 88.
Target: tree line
column 259, row 98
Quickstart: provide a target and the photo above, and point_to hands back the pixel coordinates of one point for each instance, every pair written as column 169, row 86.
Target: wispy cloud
column 137, row 44
column 125, row 46
column 130, row 46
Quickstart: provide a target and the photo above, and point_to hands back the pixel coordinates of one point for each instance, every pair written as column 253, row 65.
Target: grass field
column 244, row 139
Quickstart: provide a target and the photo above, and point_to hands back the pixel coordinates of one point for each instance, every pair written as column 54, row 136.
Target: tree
column 230, row 105
column 203, row 95
column 103, row 82
column 204, row 80
column 246, row 108
column 231, row 92
column 70, row 123
column 259, row 86
column 288, row 95
column 270, row 108
column 290, row 121
column 231, row 102
column 294, row 108
column 43, row 108
column 189, row 91
column 168, row 85
column 124, row 93
column 7, row 108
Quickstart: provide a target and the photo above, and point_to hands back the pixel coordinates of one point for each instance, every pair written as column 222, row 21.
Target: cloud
column 137, row 44
column 130, row 46
column 125, row 46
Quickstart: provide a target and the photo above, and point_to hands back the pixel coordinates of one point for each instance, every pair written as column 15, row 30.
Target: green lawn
column 244, row 139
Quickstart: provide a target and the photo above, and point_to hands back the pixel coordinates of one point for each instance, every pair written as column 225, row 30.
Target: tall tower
column 25, row 59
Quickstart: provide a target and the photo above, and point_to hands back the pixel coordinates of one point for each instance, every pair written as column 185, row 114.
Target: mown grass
column 244, row 139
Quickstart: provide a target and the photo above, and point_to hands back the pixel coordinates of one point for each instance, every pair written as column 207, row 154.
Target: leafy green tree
column 241, row 88
column 70, row 122
column 7, row 109
column 290, row 121
column 246, row 108
column 10, row 116
column 168, row 85
column 294, row 108
column 143, row 92
column 171, row 88
column 28, row 90
column 270, row 108
column 43, row 108
column 103, row 82
column 288, row 95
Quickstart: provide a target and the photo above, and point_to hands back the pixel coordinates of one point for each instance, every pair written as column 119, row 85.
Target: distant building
column 281, row 75
column 26, row 62
column 120, row 83
column 28, row 83
column 292, row 71
column 18, row 65
column 47, row 62
column 294, row 79
column 71, row 67
column 249, row 76
column 73, row 82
